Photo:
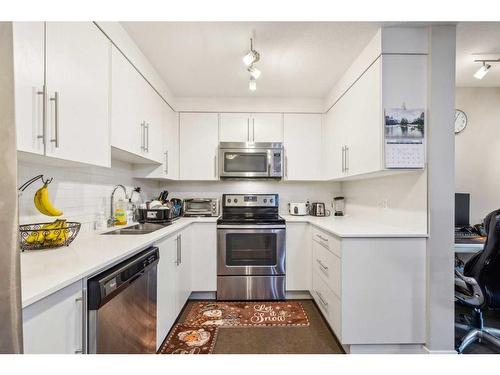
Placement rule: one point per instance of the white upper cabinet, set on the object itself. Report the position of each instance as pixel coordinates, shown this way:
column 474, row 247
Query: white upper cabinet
column 353, row 129
column 199, row 141
column 171, row 139
column 247, row 127
column 136, row 114
column 77, row 89
column 235, row 127
column 302, row 142
column 364, row 152
column 267, row 127
column 29, row 80
column 64, row 68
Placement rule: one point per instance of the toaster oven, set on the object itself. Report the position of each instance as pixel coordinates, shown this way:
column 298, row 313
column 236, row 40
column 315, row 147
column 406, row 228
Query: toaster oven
column 201, row 207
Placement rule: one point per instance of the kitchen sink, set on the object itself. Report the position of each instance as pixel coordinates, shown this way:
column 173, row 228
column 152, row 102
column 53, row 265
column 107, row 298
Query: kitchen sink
column 138, row 229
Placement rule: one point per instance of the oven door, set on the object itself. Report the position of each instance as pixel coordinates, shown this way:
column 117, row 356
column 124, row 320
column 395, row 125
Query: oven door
column 245, row 162
column 251, row 250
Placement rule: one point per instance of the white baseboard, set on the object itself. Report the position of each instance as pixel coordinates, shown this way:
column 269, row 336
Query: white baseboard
column 385, row 349
column 428, row 351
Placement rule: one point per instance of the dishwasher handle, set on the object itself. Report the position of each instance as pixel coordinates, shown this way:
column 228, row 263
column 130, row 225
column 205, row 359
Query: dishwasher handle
column 104, row 286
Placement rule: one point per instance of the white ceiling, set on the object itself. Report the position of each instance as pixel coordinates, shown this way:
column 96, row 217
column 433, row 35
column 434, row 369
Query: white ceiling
column 476, row 39
column 204, row 59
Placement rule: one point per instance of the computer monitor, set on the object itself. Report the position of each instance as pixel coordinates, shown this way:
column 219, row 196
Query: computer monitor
column 462, row 209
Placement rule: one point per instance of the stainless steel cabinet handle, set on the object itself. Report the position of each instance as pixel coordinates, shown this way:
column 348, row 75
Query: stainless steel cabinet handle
column 143, row 137
column 43, row 137
column 343, row 159
column 178, row 240
column 77, row 301
column 55, row 99
column 325, row 268
column 322, row 299
column 180, row 248
column 253, row 130
column 322, row 238
column 286, row 166
column 146, row 139
column 346, row 159
column 215, row 166
column 248, row 129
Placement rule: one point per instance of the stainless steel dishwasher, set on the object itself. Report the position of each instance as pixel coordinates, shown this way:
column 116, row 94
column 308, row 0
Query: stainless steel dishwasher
column 122, row 306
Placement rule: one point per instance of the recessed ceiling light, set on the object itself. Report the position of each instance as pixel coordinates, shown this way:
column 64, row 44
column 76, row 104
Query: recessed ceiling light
column 482, row 71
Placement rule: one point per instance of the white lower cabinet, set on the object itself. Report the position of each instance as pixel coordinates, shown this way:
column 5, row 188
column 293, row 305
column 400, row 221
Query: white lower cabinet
column 174, row 281
column 370, row 290
column 204, row 257
column 55, row 324
column 298, row 256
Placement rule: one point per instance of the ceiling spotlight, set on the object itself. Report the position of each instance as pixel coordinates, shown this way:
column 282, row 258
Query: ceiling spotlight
column 252, row 56
column 254, row 72
column 252, row 84
column 482, row 71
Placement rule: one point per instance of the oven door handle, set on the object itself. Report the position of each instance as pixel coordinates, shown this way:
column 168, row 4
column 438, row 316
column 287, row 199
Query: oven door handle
column 243, row 226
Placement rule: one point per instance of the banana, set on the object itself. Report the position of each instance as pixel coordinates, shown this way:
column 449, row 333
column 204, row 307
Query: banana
column 43, row 203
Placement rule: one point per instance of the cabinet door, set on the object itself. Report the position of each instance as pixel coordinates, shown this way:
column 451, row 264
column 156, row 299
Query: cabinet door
column 365, row 126
column 77, row 68
column 204, row 258
column 155, row 131
column 28, row 44
column 54, row 325
column 166, row 309
column 183, row 268
column 302, row 141
column 199, row 141
column 267, row 127
column 234, row 127
column 172, row 143
column 127, row 114
column 333, row 142
column 298, row 257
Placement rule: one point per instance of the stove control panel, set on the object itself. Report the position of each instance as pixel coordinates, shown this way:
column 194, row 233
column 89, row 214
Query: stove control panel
column 250, row 200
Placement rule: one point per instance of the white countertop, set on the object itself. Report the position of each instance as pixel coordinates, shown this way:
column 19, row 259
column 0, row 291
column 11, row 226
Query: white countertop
column 45, row 271
column 350, row 226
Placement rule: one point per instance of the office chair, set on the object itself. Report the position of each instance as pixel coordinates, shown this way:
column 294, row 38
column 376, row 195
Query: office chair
column 479, row 286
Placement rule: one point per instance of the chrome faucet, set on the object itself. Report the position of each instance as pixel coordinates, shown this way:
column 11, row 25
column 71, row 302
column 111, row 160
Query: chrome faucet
column 112, row 220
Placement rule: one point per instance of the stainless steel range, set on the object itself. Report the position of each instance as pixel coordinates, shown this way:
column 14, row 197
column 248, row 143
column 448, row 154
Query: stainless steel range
column 251, row 245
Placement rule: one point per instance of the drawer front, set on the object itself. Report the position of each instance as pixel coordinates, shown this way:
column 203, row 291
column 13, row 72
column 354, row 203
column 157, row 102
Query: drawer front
column 327, row 240
column 328, row 266
column 328, row 304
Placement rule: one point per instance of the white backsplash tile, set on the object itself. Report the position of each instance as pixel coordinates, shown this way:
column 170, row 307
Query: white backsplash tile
column 80, row 192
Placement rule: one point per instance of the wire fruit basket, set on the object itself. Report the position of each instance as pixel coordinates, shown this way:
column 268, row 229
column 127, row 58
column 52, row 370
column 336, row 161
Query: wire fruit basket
column 47, row 235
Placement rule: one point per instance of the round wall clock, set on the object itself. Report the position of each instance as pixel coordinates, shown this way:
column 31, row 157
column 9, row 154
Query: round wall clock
column 460, row 121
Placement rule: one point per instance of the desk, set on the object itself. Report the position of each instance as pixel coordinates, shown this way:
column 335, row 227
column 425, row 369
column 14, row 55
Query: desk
column 469, row 246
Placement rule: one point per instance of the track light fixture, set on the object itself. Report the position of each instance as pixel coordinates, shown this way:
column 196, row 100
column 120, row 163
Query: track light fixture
column 482, row 71
column 485, row 68
column 249, row 60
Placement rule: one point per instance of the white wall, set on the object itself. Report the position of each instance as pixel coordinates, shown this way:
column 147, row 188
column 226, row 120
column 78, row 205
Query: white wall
column 399, row 199
column 81, row 193
column 288, row 191
column 477, row 156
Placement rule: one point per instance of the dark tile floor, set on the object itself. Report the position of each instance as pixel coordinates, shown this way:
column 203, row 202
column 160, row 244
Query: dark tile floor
column 491, row 319
column 315, row 339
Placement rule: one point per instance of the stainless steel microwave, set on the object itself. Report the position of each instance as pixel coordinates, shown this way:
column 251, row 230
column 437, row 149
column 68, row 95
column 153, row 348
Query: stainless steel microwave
column 250, row 160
